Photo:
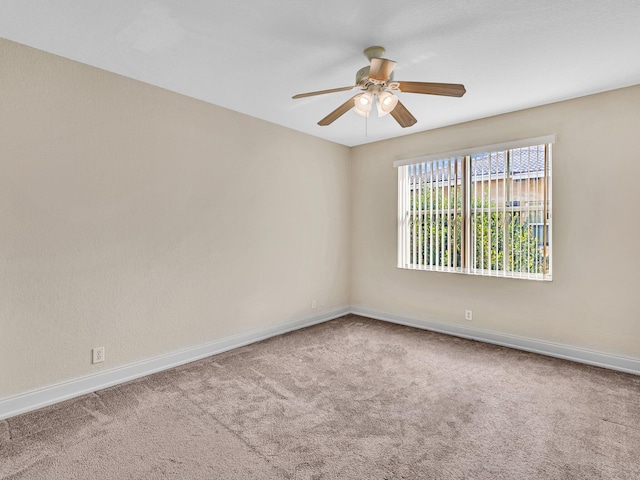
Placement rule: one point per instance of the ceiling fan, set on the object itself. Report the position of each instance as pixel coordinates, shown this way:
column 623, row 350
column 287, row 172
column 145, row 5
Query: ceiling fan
column 379, row 87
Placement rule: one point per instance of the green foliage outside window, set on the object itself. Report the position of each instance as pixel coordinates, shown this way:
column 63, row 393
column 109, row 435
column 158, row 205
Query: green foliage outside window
column 436, row 238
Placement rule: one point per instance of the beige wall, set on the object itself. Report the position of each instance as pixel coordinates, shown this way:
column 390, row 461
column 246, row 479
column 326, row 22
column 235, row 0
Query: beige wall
column 593, row 300
column 146, row 222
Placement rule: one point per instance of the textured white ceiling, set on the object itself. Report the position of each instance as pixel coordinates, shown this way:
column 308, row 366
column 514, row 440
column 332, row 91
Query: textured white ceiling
column 253, row 55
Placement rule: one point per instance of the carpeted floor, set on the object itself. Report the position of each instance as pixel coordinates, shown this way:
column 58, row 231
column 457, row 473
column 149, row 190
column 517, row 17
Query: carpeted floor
column 353, row 398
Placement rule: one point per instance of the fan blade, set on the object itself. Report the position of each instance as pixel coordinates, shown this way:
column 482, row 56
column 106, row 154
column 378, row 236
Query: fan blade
column 448, row 89
column 338, row 112
column 322, row 92
column 403, row 116
column 381, row 69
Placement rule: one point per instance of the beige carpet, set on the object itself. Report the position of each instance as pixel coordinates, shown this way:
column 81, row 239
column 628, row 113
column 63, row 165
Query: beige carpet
column 353, row 398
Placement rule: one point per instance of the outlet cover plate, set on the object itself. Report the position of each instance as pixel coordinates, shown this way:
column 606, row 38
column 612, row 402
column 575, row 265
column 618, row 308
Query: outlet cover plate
column 98, row 354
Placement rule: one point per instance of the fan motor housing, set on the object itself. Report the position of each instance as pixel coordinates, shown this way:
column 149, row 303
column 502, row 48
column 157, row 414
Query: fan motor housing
column 362, row 74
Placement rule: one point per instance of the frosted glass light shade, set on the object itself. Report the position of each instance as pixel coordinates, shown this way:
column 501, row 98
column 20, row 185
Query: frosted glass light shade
column 387, row 101
column 363, row 104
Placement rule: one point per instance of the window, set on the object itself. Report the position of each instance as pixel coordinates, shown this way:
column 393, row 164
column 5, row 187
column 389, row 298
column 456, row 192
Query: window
column 481, row 211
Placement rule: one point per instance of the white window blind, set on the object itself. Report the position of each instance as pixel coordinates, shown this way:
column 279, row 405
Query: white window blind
column 484, row 211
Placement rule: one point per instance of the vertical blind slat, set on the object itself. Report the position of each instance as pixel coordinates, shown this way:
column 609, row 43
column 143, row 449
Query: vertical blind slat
column 419, row 221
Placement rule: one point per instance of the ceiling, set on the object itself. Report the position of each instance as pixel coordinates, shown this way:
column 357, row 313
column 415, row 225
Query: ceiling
column 252, row 56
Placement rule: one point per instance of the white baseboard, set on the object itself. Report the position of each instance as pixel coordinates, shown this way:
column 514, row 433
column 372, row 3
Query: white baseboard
column 43, row 397
column 590, row 357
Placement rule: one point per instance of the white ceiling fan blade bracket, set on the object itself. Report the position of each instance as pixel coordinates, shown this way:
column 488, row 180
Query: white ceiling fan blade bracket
column 377, row 82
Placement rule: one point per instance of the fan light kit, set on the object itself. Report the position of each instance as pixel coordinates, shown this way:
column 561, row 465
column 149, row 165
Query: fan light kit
column 377, row 82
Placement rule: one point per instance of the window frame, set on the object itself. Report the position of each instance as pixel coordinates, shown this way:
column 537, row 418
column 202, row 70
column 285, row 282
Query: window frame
column 468, row 213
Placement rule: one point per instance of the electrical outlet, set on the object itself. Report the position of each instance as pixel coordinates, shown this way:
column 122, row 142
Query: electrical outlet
column 322, row 302
column 98, row 354
column 313, row 304
column 468, row 314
